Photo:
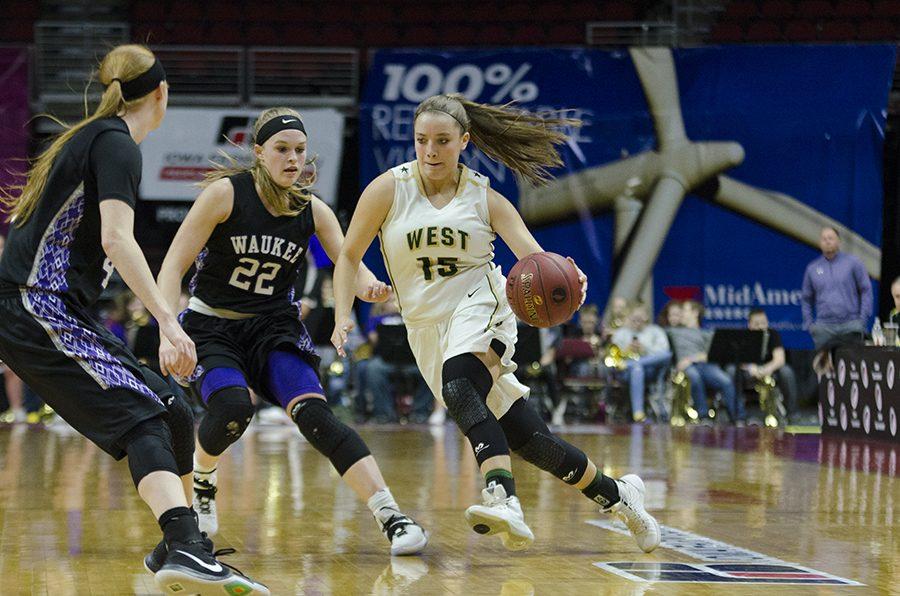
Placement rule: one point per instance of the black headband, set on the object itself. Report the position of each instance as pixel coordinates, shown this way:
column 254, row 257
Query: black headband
column 276, row 125
column 144, row 83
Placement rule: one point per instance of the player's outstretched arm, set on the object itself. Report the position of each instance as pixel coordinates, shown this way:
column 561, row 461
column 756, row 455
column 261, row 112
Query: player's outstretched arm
column 328, row 230
column 211, row 208
column 370, row 213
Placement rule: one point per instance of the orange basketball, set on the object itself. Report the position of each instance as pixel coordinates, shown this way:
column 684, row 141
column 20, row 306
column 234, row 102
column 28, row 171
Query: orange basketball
column 543, row 289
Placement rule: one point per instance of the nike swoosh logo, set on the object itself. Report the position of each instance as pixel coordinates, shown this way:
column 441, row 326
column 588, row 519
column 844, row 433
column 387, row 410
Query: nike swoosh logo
column 287, row 120
column 473, row 292
column 215, row 568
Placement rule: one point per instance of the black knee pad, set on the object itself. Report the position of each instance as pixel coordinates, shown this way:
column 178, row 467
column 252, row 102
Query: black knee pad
column 230, row 411
column 149, row 449
column 180, row 419
column 181, row 424
column 529, row 436
column 466, row 384
column 331, row 437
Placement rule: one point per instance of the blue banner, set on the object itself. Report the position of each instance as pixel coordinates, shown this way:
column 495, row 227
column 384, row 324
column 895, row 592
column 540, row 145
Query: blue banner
column 771, row 143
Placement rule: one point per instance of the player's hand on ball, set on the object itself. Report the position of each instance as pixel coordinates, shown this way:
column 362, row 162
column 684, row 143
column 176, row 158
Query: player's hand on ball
column 378, row 291
column 342, row 329
column 582, row 278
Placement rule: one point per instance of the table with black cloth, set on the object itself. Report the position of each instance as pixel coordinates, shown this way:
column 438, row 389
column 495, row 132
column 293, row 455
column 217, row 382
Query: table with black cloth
column 861, row 397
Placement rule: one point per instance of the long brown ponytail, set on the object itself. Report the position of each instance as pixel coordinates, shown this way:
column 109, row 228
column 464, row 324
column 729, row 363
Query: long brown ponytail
column 523, row 141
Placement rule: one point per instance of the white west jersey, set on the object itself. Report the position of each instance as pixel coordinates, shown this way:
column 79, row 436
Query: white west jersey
column 434, row 257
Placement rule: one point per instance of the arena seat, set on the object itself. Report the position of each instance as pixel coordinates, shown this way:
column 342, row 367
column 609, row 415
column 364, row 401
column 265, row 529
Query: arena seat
column 777, row 9
column 838, row 31
column 814, row 9
column 877, row 30
column 763, row 31
column 801, row 30
column 727, row 32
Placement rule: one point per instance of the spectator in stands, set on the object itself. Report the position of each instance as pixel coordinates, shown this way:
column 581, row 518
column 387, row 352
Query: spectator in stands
column 615, row 316
column 894, row 316
column 670, row 315
column 775, row 365
column 837, row 286
column 691, row 344
column 377, row 372
column 590, row 330
column 650, row 346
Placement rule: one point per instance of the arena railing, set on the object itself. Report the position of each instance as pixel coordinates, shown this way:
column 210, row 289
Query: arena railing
column 309, row 76
column 631, row 33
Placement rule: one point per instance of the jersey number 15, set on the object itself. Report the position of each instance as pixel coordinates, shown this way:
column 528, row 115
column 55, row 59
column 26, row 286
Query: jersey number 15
column 446, row 267
column 243, row 276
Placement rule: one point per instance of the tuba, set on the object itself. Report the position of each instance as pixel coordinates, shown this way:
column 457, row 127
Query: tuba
column 682, row 410
column 616, row 357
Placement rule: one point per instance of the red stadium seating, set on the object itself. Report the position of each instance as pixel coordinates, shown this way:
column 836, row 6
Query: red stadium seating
column 801, row 30
column 852, row 9
column 727, row 32
column 494, row 35
column 185, row 10
column 777, row 9
column 837, row 31
column 144, row 11
column 877, row 30
column 618, row 11
column 566, row 34
column 814, row 9
column 886, row 8
column 741, row 10
column 763, row 31
column 530, row 34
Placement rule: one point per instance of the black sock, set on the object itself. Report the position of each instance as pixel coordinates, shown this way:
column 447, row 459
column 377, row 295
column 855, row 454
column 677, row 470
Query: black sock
column 502, row 477
column 602, row 490
column 178, row 525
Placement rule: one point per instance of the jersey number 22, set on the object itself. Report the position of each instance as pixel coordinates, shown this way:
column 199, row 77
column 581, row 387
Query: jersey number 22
column 245, row 272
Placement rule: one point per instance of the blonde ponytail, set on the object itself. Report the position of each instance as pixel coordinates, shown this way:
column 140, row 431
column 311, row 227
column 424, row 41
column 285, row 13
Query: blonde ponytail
column 122, row 63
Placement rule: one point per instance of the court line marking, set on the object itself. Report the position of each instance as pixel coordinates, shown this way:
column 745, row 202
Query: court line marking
column 703, row 548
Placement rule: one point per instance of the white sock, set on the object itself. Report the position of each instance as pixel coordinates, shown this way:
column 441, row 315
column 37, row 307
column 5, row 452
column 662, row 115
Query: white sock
column 201, row 473
column 382, row 505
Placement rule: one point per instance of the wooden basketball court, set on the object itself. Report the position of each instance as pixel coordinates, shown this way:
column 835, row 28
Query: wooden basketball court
column 744, row 511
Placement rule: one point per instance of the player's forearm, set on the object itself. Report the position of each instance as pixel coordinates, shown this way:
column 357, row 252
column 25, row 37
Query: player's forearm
column 345, row 274
column 169, row 282
column 364, row 279
column 129, row 261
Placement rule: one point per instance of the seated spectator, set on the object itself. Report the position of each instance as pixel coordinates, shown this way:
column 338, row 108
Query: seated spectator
column 775, row 366
column 614, row 317
column 691, row 345
column 375, row 375
column 589, row 330
column 650, row 345
column 670, row 315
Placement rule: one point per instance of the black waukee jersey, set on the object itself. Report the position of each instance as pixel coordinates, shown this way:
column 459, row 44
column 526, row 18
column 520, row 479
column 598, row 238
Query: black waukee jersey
column 58, row 248
column 251, row 260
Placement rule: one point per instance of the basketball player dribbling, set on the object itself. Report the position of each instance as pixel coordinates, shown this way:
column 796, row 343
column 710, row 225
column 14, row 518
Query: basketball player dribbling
column 79, row 197
column 248, row 232
column 436, row 220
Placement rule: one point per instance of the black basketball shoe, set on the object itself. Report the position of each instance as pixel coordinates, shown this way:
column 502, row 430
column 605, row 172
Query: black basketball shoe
column 190, row 569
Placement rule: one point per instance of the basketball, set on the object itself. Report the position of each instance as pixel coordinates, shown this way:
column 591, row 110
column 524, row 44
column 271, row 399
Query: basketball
column 543, row 289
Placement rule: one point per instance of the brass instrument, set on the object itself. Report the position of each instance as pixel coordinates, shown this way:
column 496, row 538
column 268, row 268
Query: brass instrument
column 616, row 357
column 682, row 410
column 768, row 401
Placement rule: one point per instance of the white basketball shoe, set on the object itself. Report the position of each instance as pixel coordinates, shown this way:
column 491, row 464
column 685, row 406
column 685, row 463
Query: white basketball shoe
column 499, row 514
column 630, row 509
